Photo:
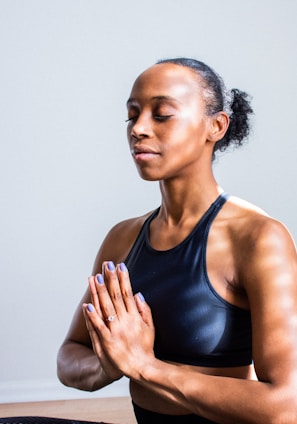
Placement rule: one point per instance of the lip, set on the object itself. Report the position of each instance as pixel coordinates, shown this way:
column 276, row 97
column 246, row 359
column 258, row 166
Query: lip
column 143, row 152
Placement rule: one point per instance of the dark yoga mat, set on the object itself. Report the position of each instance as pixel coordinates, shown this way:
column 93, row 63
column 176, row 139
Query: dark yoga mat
column 44, row 420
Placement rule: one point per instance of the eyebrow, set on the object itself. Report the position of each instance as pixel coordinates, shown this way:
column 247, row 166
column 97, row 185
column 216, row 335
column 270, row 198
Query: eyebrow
column 132, row 100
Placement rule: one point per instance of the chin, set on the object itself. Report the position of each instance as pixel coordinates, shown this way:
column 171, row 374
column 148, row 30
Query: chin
column 148, row 176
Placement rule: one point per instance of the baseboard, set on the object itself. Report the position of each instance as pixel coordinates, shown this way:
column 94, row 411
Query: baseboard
column 42, row 390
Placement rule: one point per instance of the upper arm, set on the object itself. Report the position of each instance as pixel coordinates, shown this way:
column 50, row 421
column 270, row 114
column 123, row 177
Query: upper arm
column 270, row 280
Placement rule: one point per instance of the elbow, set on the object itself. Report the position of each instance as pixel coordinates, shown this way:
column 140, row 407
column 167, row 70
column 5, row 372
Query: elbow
column 62, row 376
column 67, row 370
column 62, row 368
column 78, row 367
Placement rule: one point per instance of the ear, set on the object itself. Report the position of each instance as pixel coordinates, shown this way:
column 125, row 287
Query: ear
column 218, row 126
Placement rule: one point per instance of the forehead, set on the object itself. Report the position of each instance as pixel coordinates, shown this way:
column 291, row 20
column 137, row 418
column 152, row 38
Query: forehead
column 166, row 79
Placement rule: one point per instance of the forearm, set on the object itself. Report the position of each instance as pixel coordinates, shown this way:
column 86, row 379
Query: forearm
column 79, row 367
column 221, row 399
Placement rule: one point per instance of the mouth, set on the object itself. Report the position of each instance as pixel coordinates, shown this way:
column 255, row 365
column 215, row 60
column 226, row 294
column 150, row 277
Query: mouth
column 140, row 153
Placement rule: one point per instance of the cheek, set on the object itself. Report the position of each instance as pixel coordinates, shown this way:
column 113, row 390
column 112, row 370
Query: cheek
column 197, row 130
column 190, row 137
column 187, row 131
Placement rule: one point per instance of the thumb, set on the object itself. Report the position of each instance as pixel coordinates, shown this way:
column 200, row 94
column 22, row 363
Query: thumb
column 144, row 309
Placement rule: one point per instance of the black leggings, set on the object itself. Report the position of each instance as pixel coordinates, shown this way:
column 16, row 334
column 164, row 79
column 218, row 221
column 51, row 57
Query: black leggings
column 143, row 416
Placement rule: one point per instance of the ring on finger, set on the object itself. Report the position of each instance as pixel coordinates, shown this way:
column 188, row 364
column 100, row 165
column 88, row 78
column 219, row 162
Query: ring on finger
column 111, row 318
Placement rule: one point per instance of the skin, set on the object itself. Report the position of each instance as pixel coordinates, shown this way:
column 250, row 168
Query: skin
column 251, row 263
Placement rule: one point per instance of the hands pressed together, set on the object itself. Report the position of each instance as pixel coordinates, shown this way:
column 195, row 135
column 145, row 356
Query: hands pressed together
column 120, row 324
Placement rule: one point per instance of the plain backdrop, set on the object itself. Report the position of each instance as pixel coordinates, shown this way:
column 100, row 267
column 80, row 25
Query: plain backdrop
column 66, row 69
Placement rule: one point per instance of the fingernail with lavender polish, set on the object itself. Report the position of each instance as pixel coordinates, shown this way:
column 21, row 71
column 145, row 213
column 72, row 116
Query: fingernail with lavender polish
column 123, row 267
column 90, row 307
column 100, row 279
column 141, row 297
column 111, row 266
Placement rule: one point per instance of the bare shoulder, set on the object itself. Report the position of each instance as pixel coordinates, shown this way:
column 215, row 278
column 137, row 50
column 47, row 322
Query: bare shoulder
column 119, row 241
column 263, row 246
column 126, row 231
column 254, row 225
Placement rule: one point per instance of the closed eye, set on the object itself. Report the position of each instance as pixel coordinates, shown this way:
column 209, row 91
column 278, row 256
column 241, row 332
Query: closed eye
column 162, row 118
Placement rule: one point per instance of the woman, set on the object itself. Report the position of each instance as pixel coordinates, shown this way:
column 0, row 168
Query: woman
column 207, row 332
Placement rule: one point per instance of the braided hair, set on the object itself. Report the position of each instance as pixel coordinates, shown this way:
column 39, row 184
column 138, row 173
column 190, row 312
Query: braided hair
column 234, row 102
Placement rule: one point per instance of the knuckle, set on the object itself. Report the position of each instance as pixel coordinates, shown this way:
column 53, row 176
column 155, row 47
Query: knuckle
column 117, row 295
column 127, row 293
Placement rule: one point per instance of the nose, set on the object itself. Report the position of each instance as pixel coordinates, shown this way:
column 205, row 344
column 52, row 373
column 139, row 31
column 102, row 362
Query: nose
column 141, row 127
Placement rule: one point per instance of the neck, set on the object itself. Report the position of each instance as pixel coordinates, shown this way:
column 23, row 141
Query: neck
column 182, row 199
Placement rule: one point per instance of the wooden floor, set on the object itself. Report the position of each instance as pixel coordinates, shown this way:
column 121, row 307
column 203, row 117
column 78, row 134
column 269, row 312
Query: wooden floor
column 117, row 410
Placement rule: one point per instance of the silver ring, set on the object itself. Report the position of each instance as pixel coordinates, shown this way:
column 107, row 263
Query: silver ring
column 110, row 318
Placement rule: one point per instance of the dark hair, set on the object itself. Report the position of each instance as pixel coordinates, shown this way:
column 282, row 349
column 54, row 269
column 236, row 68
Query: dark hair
column 235, row 102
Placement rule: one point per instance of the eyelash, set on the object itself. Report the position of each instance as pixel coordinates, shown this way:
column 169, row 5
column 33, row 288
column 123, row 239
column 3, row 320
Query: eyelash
column 160, row 118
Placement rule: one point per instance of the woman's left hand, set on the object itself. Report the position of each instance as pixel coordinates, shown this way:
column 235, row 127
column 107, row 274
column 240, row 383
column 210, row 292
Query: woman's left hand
column 122, row 322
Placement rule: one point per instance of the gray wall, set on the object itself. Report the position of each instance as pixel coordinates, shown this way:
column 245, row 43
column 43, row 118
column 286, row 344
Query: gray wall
column 66, row 68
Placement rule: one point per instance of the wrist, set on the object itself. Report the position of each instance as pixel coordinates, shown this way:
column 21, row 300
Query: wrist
column 149, row 371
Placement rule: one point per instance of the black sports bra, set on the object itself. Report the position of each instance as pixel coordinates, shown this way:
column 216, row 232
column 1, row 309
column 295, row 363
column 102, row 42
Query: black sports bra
column 194, row 324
